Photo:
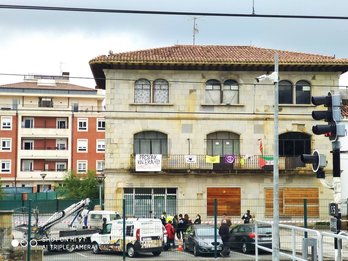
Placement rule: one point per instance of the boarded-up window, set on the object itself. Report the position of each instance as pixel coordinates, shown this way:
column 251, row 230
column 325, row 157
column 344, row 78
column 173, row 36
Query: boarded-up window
column 291, row 202
column 228, row 201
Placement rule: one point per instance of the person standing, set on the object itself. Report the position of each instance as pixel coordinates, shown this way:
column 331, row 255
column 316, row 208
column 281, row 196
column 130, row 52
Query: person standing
column 224, row 232
column 247, row 217
column 198, row 220
column 180, row 227
column 170, row 234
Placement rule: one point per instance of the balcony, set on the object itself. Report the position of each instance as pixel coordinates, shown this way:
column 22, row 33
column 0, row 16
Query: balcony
column 48, row 153
column 35, row 175
column 45, row 132
column 240, row 164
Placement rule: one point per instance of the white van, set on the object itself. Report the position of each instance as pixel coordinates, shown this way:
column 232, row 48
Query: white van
column 142, row 235
column 95, row 218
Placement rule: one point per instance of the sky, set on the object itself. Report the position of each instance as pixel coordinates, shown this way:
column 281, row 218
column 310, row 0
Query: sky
column 50, row 42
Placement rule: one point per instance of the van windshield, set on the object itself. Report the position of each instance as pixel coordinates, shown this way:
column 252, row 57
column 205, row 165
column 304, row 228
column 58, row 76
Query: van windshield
column 96, row 216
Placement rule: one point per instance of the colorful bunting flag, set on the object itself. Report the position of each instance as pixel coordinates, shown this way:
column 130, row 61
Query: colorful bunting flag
column 265, row 160
column 190, row 158
column 260, row 146
column 212, row 159
column 229, row 159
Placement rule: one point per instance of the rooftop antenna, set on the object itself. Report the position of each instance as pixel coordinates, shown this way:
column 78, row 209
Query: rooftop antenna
column 253, row 8
column 195, row 30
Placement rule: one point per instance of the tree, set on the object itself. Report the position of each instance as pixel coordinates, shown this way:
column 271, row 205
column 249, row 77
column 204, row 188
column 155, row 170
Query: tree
column 75, row 187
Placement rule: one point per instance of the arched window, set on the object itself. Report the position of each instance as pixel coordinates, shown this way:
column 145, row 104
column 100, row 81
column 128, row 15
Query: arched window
column 145, row 93
column 294, row 144
column 150, row 142
column 230, row 94
column 303, row 92
column 213, row 92
column 142, row 91
column 217, row 94
column 160, row 91
column 223, row 143
column 285, row 92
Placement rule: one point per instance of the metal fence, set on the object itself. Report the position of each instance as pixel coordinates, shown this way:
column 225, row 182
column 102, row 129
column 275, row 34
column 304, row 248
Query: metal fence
column 15, row 215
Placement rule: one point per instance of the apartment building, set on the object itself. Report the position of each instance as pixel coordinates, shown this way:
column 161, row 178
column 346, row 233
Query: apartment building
column 190, row 122
column 48, row 128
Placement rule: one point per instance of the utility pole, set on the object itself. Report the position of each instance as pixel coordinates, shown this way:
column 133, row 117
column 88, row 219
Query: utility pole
column 275, row 227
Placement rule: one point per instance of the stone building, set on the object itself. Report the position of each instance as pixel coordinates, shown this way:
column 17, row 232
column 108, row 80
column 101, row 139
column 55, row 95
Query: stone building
column 188, row 124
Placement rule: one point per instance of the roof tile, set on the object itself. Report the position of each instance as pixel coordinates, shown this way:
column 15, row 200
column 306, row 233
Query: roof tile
column 216, row 54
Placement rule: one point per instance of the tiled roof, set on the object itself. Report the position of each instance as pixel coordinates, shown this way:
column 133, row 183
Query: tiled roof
column 36, row 86
column 214, row 57
column 216, row 54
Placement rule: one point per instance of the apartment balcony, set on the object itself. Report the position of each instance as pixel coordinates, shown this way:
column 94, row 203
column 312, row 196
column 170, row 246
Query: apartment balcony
column 44, row 132
column 236, row 164
column 48, row 153
column 35, row 175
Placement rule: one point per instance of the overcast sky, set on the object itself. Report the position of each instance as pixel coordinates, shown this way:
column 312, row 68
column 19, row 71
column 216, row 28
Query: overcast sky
column 49, row 42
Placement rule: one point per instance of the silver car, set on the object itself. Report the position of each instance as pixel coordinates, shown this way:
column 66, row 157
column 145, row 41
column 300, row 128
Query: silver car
column 200, row 239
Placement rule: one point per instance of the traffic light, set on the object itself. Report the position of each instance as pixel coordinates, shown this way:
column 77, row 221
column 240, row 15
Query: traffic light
column 318, row 162
column 335, row 128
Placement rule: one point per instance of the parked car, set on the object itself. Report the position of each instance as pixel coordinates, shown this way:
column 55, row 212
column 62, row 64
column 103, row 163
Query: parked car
column 243, row 237
column 200, row 239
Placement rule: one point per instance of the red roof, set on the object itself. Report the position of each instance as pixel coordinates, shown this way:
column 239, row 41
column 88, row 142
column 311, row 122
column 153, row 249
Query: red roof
column 216, row 54
column 214, row 57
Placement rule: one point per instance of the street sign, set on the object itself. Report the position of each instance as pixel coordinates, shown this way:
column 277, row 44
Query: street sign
column 333, row 209
column 333, row 224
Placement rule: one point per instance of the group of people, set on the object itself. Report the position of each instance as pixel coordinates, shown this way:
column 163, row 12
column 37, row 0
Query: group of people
column 176, row 226
column 224, row 232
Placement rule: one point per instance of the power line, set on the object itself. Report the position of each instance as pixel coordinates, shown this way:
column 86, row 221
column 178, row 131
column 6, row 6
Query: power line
column 169, row 81
column 151, row 12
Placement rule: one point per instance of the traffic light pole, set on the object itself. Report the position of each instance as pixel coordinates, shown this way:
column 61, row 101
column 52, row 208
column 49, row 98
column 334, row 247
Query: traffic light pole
column 336, row 164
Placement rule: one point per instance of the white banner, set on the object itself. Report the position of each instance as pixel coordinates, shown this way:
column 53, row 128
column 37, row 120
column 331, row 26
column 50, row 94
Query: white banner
column 148, row 162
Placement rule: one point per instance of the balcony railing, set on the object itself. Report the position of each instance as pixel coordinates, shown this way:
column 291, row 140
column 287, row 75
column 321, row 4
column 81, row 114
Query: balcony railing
column 52, row 106
column 178, row 163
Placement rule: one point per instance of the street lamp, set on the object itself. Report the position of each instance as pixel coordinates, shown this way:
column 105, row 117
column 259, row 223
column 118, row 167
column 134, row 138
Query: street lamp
column 100, row 179
column 43, row 176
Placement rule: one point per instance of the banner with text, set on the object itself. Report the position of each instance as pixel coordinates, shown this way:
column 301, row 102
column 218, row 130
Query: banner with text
column 148, row 162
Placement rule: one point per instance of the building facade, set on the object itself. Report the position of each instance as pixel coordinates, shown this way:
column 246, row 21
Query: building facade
column 49, row 127
column 191, row 124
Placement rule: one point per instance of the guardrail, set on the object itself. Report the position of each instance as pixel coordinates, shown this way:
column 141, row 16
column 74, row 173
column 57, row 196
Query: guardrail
column 314, row 239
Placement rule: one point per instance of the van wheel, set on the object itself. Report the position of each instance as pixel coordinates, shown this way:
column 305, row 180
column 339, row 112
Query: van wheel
column 95, row 248
column 156, row 253
column 130, row 251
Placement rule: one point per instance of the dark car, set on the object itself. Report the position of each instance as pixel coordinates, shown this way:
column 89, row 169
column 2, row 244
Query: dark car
column 200, row 239
column 242, row 237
